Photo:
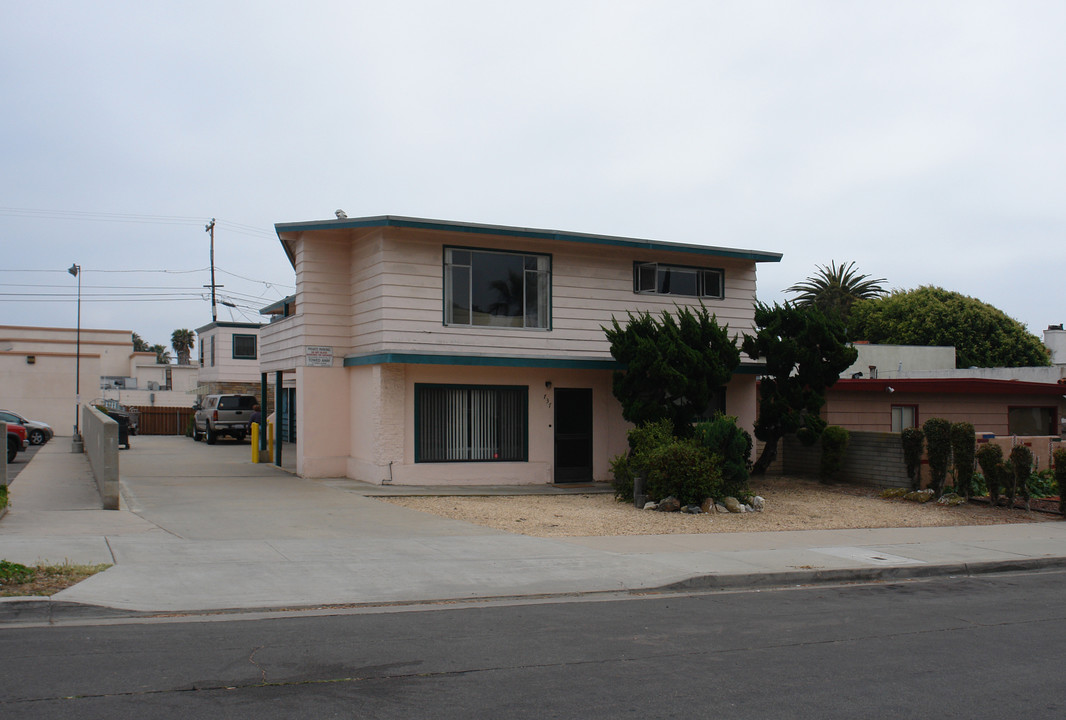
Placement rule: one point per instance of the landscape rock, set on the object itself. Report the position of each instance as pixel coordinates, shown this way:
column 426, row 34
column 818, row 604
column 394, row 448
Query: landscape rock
column 692, row 510
column 719, row 507
column 651, row 506
column 758, row 503
column 732, row 504
column 921, row 496
column 708, row 505
column 894, row 492
column 670, row 504
column 951, row 500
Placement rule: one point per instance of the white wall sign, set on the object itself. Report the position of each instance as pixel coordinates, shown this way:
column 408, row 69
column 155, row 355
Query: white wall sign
column 319, row 356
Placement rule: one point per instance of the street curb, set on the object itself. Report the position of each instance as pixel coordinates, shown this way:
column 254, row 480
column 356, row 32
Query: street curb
column 45, row 611
column 846, row 575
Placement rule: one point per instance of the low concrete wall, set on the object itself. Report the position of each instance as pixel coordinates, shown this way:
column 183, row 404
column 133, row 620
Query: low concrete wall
column 100, row 434
column 872, row 458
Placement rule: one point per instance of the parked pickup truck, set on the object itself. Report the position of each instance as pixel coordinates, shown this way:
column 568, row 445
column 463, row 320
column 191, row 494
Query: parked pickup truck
column 223, row 415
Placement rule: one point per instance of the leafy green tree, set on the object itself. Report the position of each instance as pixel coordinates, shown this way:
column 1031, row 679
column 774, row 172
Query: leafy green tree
column 183, row 342
column 833, row 289
column 139, row 345
column 983, row 336
column 805, row 352
column 673, row 366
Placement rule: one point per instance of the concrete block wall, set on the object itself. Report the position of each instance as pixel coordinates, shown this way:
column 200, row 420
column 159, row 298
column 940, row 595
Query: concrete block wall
column 873, row 458
column 100, row 434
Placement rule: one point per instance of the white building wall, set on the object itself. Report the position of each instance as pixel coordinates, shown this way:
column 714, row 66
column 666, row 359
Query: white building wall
column 1055, row 340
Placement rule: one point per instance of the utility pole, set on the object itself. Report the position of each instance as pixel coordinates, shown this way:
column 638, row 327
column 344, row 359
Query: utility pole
column 210, row 228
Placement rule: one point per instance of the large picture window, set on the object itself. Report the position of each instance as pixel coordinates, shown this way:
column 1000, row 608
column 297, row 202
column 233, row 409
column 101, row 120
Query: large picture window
column 464, row 423
column 496, row 289
column 659, row 279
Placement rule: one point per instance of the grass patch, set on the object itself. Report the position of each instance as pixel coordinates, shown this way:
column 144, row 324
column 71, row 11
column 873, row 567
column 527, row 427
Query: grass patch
column 21, row 580
column 3, row 496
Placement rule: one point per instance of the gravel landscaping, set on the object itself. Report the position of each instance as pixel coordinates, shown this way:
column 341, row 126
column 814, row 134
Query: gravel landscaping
column 791, row 504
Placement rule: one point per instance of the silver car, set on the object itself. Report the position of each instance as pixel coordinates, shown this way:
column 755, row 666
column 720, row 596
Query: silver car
column 37, row 432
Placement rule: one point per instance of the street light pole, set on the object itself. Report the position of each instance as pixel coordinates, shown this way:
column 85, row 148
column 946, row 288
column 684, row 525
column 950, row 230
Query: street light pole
column 77, row 445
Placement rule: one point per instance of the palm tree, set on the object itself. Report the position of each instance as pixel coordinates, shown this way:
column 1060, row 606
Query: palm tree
column 139, row 345
column 834, row 289
column 162, row 355
column 183, row 342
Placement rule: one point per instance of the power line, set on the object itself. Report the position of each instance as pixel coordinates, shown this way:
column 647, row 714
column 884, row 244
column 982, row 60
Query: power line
column 96, row 216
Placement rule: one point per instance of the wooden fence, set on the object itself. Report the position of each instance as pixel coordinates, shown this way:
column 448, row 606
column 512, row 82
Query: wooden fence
column 163, row 420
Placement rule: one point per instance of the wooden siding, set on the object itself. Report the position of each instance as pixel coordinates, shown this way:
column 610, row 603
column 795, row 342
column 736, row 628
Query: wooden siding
column 400, row 306
column 873, row 411
column 381, row 290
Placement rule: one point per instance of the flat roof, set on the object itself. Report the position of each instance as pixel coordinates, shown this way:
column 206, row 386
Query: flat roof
column 519, row 232
column 951, row 386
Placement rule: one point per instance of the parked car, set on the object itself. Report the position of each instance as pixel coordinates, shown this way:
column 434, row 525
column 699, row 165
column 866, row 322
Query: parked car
column 223, row 415
column 16, row 439
column 39, row 433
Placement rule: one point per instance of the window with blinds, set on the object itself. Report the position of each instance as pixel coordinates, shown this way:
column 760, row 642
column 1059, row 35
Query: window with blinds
column 471, row 423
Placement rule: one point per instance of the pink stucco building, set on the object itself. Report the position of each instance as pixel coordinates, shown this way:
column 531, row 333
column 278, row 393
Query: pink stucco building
column 435, row 352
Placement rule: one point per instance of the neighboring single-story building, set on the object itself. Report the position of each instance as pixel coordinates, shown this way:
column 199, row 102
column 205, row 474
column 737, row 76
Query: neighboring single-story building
column 428, row 351
column 37, row 373
column 1002, row 407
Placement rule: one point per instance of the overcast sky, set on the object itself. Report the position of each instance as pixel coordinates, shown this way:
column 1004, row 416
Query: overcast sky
column 924, row 140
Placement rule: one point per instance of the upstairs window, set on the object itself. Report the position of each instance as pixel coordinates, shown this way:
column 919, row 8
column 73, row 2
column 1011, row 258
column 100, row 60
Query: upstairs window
column 484, row 288
column 660, row 279
column 244, row 347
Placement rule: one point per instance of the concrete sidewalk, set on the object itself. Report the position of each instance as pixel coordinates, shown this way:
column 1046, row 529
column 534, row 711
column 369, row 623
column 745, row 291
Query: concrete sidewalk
column 202, row 529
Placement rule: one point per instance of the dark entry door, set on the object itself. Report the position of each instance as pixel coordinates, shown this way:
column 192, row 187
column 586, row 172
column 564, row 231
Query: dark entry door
column 573, row 435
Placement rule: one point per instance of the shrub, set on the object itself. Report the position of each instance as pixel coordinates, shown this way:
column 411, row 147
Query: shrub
column 963, row 448
column 990, row 458
column 649, row 436
column 1041, row 484
column 834, row 447
column 1021, row 465
column 623, row 478
column 722, row 437
column 3, row 496
column 642, row 440
column 938, row 448
column 913, row 440
column 682, row 469
column 1059, row 457
column 14, row 574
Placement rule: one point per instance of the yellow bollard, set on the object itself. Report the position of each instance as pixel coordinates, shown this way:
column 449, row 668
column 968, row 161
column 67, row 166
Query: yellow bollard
column 255, row 442
column 270, row 442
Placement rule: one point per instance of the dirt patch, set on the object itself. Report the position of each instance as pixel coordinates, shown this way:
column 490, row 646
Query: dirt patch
column 791, row 504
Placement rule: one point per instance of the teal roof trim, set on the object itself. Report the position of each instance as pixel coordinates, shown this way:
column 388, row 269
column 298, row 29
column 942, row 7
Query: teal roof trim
column 520, row 232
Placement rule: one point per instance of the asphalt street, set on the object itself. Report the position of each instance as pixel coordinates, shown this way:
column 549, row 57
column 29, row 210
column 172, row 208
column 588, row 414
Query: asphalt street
column 977, row 647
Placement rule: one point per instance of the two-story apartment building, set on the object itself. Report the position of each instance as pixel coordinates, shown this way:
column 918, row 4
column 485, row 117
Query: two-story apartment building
column 434, row 352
